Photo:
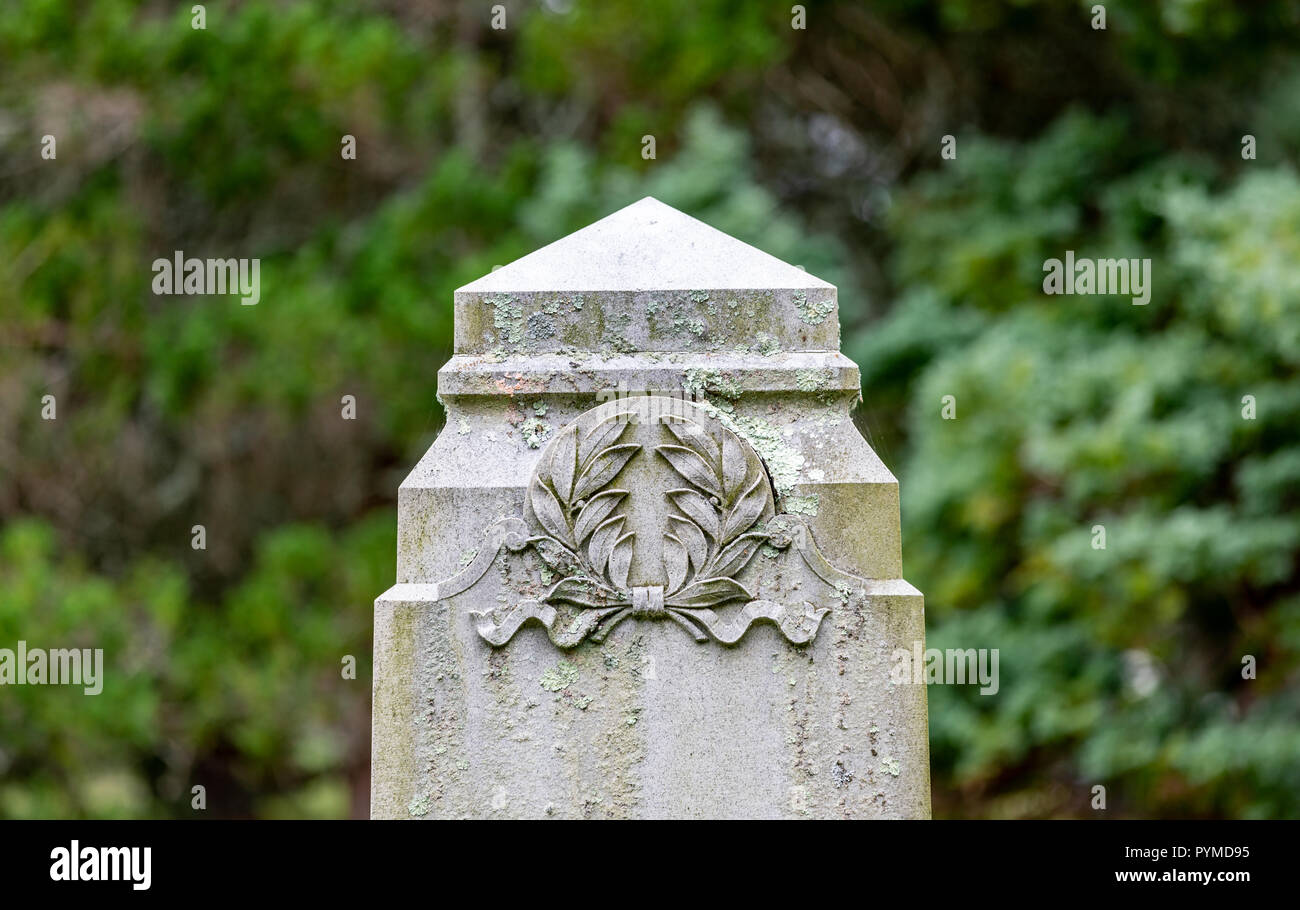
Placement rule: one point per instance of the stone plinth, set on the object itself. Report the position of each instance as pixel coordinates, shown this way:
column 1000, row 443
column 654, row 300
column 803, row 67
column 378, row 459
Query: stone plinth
column 649, row 568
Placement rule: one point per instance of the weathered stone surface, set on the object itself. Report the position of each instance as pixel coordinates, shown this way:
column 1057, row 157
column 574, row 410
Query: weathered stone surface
column 646, row 278
column 648, row 571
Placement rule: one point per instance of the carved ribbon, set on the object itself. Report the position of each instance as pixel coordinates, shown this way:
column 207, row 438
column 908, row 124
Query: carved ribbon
column 498, row 633
column 508, row 533
column 799, row 626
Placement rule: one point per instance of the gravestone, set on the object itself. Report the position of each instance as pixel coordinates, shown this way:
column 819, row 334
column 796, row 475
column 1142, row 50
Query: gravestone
column 649, row 568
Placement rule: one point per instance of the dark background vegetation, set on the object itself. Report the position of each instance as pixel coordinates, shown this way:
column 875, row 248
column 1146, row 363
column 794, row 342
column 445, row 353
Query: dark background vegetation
column 1120, row 667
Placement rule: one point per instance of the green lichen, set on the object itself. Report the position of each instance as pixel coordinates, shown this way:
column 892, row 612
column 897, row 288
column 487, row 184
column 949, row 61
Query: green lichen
column 560, row 676
column 462, row 426
column 891, row 766
column 614, row 337
column 535, row 432
column 801, row 505
column 700, row 380
column 695, row 326
column 556, row 305
column 618, row 343
column 539, row 327
column 699, row 296
column 419, row 807
column 814, row 313
column 814, row 380
column 508, row 319
column 782, row 461
column 841, row 775
column 767, row 344
column 468, row 557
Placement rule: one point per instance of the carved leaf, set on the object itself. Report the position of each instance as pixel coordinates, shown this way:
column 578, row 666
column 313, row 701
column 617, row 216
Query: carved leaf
column 737, row 554
column 689, row 533
column 734, row 464
column 583, row 592
column 564, row 463
column 747, row 509
column 693, row 467
column 620, row 561
column 675, row 561
column 708, row 593
column 603, row 468
column 698, row 509
column 595, row 511
column 693, row 436
column 548, row 511
column 603, row 434
column 602, row 542
column 555, row 555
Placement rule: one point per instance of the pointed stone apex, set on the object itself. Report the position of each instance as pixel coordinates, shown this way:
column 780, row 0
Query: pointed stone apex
column 647, row 278
column 646, row 246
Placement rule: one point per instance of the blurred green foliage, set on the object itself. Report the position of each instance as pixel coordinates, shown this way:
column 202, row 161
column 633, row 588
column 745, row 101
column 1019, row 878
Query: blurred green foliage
column 475, row 146
column 1124, row 663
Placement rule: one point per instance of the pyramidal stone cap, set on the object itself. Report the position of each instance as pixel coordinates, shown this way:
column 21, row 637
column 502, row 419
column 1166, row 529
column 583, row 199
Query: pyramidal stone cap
column 646, row 278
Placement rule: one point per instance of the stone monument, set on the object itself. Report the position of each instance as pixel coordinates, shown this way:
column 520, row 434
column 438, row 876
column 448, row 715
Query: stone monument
column 649, row 568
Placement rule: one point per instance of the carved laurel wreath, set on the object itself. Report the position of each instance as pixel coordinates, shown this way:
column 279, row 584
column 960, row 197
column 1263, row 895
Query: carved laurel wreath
column 709, row 542
column 716, row 523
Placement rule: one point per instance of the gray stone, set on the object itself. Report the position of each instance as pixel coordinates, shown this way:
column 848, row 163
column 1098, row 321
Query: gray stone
column 649, row 568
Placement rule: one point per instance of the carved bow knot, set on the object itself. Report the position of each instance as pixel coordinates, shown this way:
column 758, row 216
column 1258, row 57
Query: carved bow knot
column 648, row 603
